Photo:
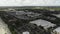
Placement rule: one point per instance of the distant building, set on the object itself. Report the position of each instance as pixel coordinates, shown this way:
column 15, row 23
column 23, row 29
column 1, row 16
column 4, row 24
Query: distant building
column 43, row 23
column 56, row 31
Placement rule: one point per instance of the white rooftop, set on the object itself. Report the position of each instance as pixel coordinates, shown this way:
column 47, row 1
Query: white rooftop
column 58, row 15
column 26, row 32
column 43, row 23
column 57, row 29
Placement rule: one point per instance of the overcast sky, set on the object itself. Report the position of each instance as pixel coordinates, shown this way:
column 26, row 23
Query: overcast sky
column 29, row 2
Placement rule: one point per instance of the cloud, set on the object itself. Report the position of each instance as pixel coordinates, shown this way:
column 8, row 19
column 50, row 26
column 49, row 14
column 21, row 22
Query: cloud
column 29, row 2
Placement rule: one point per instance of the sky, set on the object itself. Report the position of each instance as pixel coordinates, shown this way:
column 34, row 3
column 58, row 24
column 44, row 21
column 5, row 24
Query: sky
column 29, row 2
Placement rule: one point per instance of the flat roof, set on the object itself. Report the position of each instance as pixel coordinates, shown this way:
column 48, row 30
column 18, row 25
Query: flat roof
column 43, row 23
